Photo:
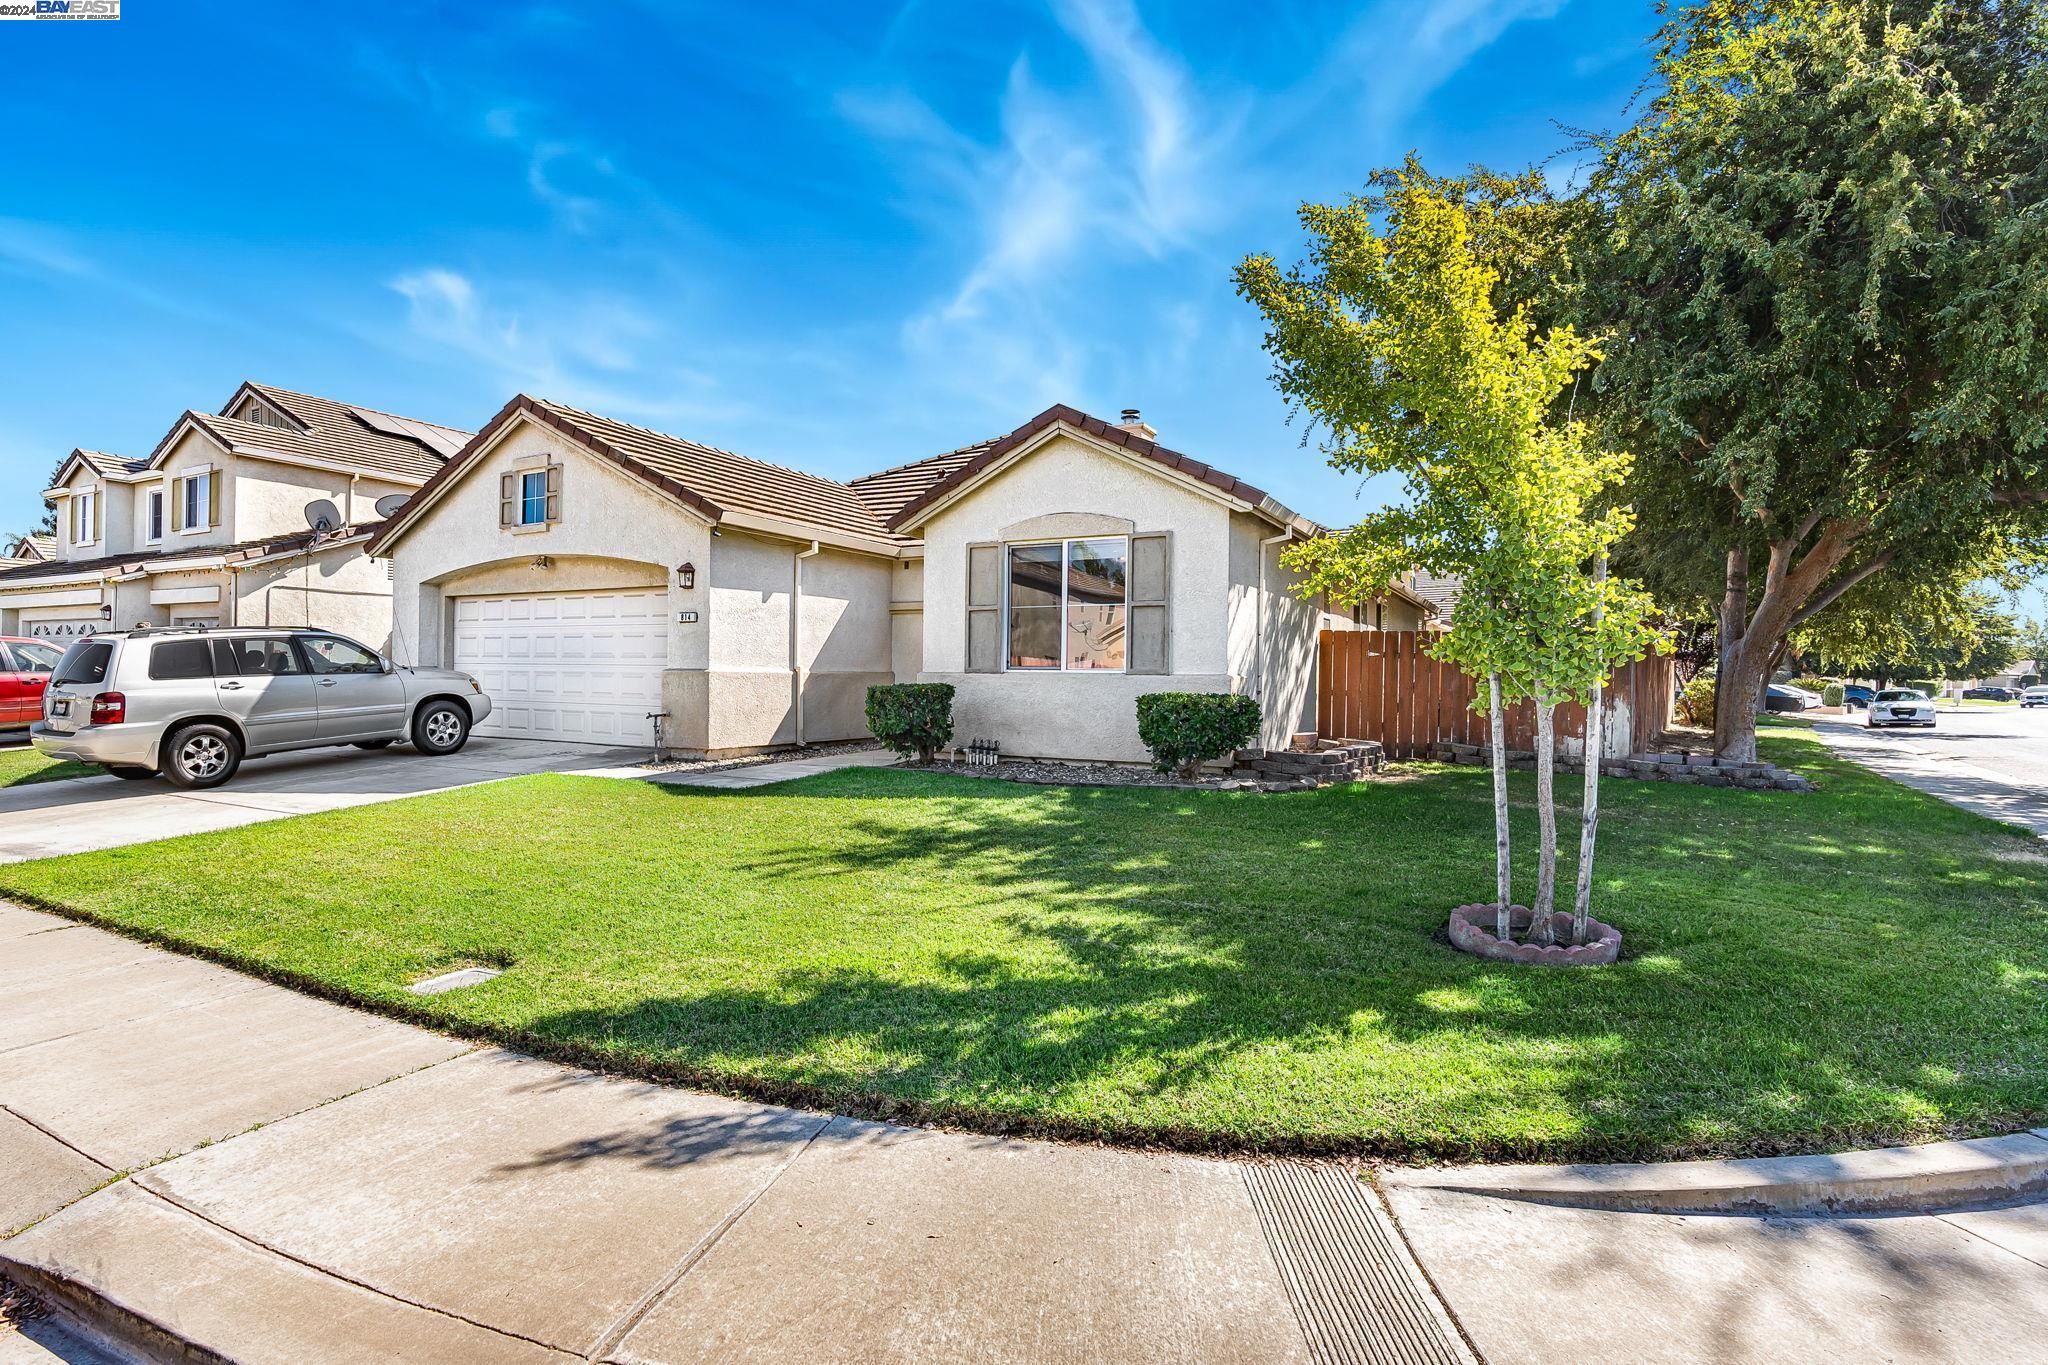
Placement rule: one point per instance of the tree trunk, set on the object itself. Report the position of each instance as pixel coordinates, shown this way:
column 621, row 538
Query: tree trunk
column 1795, row 587
column 1540, row 930
column 1502, row 882
column 1589, row 820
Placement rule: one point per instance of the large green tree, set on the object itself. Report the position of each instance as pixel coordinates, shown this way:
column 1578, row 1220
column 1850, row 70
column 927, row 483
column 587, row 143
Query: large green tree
column 1919, row 637
column 1821, row 260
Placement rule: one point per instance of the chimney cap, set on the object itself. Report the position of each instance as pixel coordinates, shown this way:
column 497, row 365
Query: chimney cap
column 1130, row 416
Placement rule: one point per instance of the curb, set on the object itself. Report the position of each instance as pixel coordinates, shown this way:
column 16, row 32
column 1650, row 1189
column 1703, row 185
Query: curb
column 1926, row 1178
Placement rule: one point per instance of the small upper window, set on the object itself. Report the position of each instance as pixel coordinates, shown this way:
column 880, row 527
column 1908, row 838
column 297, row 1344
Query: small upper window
column 530, row 497
column 156, row 514
column 197, row 494
column 85, row 517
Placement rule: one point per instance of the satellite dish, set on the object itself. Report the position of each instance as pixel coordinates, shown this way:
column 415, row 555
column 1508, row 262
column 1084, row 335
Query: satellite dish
column 388, row 505
column 323, row 516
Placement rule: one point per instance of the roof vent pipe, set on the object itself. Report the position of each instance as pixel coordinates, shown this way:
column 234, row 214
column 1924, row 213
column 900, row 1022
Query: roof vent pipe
column 1137, row 425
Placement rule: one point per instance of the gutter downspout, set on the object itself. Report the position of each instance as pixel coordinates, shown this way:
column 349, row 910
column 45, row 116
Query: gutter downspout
column 1259, row 623
column 796, row 620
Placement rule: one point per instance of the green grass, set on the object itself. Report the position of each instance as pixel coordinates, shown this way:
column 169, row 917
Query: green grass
column 1857, row 965
column 24, row 765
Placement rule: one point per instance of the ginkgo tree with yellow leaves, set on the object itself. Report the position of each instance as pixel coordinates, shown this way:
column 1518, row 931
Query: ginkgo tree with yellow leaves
column 1391, row 336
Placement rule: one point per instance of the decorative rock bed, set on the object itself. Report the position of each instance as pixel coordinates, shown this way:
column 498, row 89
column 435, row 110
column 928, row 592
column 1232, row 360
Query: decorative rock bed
column 1472, row 931
column 1703, row 770
column 1264, row 770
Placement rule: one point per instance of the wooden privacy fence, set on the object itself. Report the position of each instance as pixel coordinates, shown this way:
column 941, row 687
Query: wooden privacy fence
column 1380, row 684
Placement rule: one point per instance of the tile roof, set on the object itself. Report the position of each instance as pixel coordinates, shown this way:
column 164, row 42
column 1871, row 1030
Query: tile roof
column 713, row 481
column 103, row 463
column 331, row 432
column 875, row 506
column 890, row 491
column 1187, row 466
column 39, row 545
column 242, row 550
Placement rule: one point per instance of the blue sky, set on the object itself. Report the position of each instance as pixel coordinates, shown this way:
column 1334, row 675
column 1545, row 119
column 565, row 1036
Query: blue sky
column 836, row 236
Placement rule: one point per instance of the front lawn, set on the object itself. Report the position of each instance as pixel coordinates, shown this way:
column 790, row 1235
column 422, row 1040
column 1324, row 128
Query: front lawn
column 19, row 767
column 1858, row 965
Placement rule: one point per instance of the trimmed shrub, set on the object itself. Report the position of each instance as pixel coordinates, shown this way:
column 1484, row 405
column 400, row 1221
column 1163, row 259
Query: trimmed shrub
column 1696, row 703
column 1184, row 730
column 1832, row 695
column 912, row 718
column 1812, row 684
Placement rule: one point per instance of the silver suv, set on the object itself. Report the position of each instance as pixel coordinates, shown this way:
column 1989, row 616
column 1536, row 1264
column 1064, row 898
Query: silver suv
column 192, row 703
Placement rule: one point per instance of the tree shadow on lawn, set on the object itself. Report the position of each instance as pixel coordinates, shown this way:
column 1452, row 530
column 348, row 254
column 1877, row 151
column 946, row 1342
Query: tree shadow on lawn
column 1235, row 971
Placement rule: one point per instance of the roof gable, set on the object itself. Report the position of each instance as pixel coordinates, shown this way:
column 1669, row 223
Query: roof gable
column 993, row 455
column 718, row 485
column 323, row 432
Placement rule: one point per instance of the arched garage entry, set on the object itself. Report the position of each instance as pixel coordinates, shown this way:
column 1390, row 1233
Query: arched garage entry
column 573, row 651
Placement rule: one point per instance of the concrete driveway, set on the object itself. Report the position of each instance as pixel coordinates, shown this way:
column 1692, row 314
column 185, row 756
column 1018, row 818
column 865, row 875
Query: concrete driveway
column 41, row 819
column 1993, row 762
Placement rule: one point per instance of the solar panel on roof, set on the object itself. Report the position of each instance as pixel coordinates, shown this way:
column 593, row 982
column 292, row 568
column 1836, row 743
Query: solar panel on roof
column 440, row 440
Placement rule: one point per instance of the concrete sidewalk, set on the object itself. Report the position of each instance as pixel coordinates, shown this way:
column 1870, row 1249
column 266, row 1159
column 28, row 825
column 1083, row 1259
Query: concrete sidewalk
column 1994, row 763
column 308, row 1183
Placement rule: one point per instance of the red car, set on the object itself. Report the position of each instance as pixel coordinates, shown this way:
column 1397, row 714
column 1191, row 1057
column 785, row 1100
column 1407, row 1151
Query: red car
column 25, row 669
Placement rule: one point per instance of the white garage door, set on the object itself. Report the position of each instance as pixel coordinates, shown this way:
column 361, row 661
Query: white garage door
column 64, row 632
column 581, row 666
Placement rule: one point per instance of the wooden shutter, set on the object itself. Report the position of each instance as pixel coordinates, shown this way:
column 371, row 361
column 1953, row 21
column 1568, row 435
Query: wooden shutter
column 94, row 529
column 213, row 497
column 554, row 502
column 1151, row 568
column 984, row 608
column 177, row 500
column 508, row 499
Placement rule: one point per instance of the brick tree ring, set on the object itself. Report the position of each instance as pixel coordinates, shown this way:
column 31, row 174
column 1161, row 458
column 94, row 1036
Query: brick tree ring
column 1472, row 929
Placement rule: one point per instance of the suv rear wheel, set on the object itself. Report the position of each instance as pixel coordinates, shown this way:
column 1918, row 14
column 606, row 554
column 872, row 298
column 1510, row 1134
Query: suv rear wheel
column 441, row 727
column 202, row 755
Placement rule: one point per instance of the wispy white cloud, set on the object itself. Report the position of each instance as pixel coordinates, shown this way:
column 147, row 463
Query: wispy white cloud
column 593, row 350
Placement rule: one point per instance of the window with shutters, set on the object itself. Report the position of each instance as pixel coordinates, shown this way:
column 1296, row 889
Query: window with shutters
column 530, row 499
column 85, row 518
column 194, row 501
column 154, row 516
column 1068, row 603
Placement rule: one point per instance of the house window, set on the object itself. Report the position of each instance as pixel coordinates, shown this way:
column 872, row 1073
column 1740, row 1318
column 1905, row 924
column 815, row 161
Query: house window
column 533, row 497
column 155, row 514
column 196, row 491
column 85, row 509
column 1068, row 604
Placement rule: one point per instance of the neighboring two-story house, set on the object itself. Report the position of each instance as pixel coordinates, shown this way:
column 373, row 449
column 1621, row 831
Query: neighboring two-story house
column 216, row 525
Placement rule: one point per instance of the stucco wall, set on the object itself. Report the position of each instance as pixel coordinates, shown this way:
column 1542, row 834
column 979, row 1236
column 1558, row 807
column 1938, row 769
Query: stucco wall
column 270, row 499
column 117, row 534
column 842, row 643
column 192, row 452
column 342, row 590
column 1078, row 715
column 1283, row 676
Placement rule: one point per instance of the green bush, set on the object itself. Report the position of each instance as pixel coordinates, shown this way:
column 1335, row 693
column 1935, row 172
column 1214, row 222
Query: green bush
column 912, row 717
column 1184, row 730
column 1832, row 695
column 1696, row 702
column 2030, row 680
column 1820, row 685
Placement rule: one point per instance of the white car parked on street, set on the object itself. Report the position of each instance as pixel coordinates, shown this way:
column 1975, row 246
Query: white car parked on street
column 2034, row 696
column 1898, row 706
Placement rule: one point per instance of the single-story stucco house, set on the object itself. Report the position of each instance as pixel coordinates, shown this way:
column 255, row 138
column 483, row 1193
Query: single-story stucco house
column 595, row 574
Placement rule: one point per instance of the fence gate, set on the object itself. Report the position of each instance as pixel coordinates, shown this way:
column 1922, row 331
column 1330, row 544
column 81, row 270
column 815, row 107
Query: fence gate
column 1383, row 685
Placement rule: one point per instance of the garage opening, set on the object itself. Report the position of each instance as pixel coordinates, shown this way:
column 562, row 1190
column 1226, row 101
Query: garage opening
column 578, row 666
